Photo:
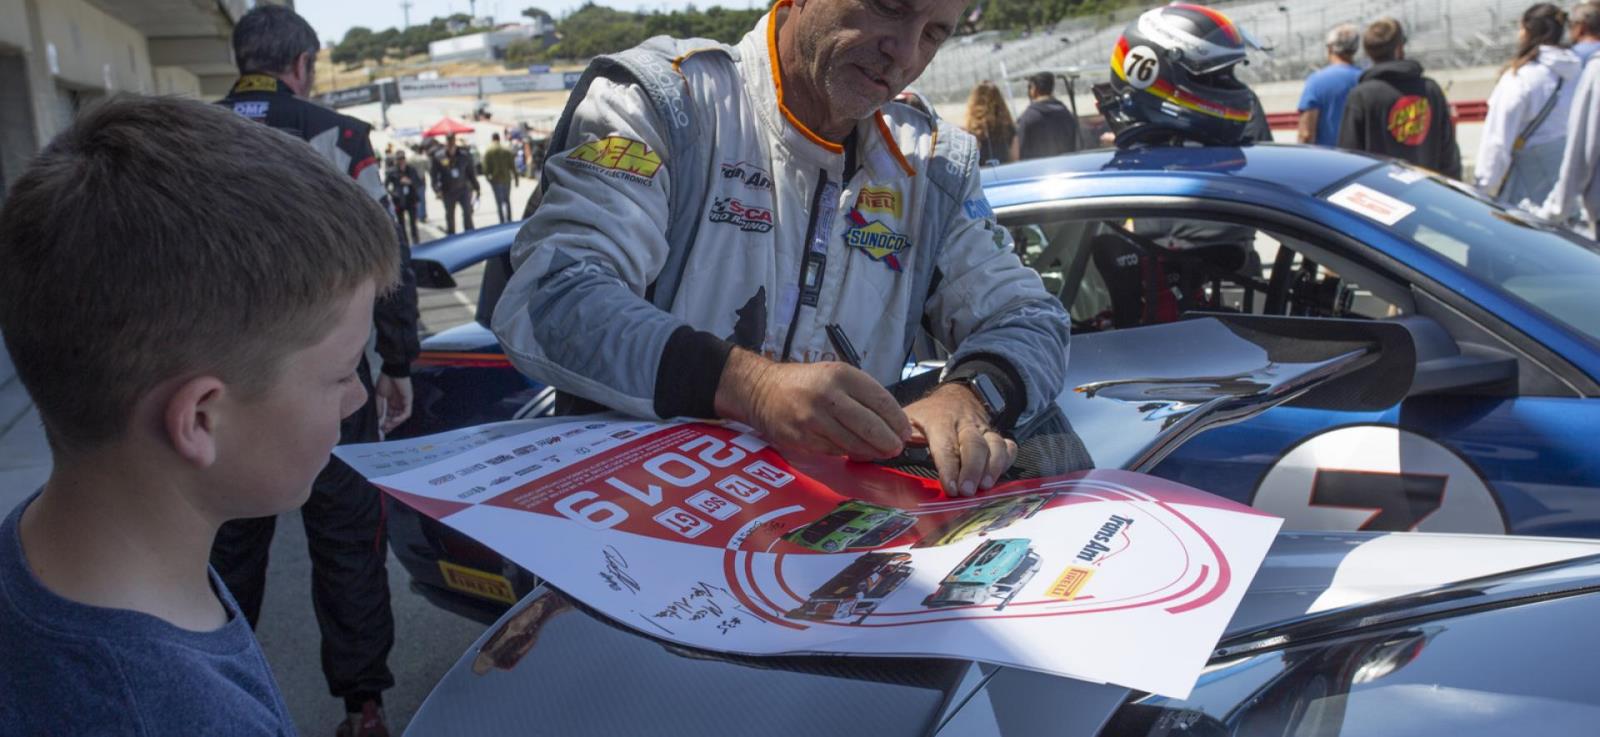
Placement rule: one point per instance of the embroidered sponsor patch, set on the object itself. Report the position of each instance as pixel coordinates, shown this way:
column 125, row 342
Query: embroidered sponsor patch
column 251, row 109
column 256, row 83
column 619, row 157
column 879, row 199
column 879, row 241
column 732, row 211
column 978, row 208
column 750, row 175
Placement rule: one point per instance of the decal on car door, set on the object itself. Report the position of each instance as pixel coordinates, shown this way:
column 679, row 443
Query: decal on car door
column 1377, row 477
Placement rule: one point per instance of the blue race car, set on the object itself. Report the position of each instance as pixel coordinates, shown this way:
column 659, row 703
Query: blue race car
column 1487, row 433
column 1492, row 433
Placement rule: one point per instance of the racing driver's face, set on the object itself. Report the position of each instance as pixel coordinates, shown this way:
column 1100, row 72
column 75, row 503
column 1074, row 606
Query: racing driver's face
column 856, row 55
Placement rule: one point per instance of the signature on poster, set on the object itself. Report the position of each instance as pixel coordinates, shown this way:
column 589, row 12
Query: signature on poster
column 616, row 572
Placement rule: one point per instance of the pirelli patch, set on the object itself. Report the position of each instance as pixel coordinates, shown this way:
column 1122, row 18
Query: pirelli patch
column 618, row 157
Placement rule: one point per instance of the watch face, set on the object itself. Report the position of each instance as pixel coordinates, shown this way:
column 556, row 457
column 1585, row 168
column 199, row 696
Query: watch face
column 989, row 393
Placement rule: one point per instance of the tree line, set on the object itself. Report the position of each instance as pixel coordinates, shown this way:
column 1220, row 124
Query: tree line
column 596, row 29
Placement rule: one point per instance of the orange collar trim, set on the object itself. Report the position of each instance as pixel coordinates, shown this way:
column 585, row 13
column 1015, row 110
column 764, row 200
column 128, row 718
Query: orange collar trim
column 888, row 141
column 777, row 82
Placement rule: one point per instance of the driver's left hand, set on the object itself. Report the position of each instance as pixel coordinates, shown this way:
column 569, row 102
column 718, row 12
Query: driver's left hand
column 968, row 453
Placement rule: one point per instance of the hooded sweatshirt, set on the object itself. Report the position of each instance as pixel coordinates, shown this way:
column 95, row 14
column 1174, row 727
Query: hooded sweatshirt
column 1395, row 111
column 1516, row 101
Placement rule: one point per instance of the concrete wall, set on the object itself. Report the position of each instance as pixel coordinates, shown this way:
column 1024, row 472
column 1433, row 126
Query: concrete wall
column 93, row 51
column 14, row 25
column 177, row 81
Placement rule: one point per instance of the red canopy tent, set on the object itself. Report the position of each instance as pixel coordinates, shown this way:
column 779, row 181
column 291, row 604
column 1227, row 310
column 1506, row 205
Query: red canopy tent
column 447, row 126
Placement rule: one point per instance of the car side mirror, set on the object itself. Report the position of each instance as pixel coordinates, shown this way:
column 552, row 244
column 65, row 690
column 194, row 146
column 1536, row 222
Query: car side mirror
column 432, row 274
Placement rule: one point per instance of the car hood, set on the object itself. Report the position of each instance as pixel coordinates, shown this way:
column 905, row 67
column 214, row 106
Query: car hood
column 567, row 652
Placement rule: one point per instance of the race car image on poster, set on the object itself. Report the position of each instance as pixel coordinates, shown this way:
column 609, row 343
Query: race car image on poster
column 997, row 568
column 986, row 518
column 855, row 592
column 853, row 524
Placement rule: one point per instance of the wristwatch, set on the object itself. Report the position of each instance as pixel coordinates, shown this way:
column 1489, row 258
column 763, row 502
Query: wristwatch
column 988, row 394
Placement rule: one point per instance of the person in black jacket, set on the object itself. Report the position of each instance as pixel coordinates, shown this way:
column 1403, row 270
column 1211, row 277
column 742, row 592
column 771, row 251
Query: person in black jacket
column 276, row 51
column 405, row 188
column 455, row 180
column 1395, row 111
column 1047, row 127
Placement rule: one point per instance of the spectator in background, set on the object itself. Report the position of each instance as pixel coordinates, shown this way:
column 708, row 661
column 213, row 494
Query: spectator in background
column 1395, row 111
column 455, row 180
column 1322, row 101
column 1047, row 127
column 1577, row 186
column 405, row 188
column 1584, row 26
column 1525, row 131
column 424, row 154
column 989, row 121
column 499, row 168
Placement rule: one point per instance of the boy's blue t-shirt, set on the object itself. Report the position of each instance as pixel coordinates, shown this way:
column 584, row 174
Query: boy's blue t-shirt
column 1325, row 91
column 70, row 668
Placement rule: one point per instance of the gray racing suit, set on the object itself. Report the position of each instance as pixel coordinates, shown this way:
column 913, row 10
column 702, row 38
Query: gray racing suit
column 792, row 233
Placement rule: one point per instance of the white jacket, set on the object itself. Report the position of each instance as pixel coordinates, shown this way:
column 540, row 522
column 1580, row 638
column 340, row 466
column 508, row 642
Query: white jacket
column 1577, row 186
column 575, row 314
column 1516, row 101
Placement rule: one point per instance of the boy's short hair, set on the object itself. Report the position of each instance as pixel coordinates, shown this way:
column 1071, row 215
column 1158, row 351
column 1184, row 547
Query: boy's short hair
column 1383, row 39
column 160, row 238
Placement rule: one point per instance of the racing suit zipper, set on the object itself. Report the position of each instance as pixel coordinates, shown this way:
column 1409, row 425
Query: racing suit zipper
column 814, row 257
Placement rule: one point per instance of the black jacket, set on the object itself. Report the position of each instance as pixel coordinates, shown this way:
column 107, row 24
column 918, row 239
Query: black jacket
column 344, row 141
column 454, row 174
column 405, row 194
column 1047, row 128
column 1395, row 111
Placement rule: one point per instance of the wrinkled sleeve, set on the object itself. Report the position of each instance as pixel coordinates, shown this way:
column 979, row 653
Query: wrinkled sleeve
column 1352, row 128
column 1506, row 117
column 1582, row 154
column 994, row 312
column 573, row 315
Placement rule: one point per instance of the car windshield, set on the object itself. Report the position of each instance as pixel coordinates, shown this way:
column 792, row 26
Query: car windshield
column 1552, row 270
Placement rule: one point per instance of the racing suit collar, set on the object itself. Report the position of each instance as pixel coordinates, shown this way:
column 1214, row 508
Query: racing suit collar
column 879, row 151
column 260, row 83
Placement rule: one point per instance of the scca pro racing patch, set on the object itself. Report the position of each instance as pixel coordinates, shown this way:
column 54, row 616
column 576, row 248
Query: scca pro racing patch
column 879, row 241
column 733, row 212
column 619, row 158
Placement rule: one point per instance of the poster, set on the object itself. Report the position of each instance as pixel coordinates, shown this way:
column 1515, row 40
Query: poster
column 702, row 535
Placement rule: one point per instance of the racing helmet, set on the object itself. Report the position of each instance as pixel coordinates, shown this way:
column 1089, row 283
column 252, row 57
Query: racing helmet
column 1172, row 72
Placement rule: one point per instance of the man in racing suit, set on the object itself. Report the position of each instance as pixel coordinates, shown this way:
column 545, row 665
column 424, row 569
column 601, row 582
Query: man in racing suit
column 827, row 216
column 344, row 519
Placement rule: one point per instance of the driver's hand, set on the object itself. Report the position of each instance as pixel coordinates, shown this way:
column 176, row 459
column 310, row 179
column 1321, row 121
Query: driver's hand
column 826, row 408
column 394, row 401
column 968, row 453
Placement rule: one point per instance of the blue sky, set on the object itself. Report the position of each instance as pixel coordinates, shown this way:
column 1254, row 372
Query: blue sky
column 332, row 18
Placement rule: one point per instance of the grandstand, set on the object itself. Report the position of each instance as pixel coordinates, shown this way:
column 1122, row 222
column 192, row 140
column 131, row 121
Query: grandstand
column 1443, row 34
